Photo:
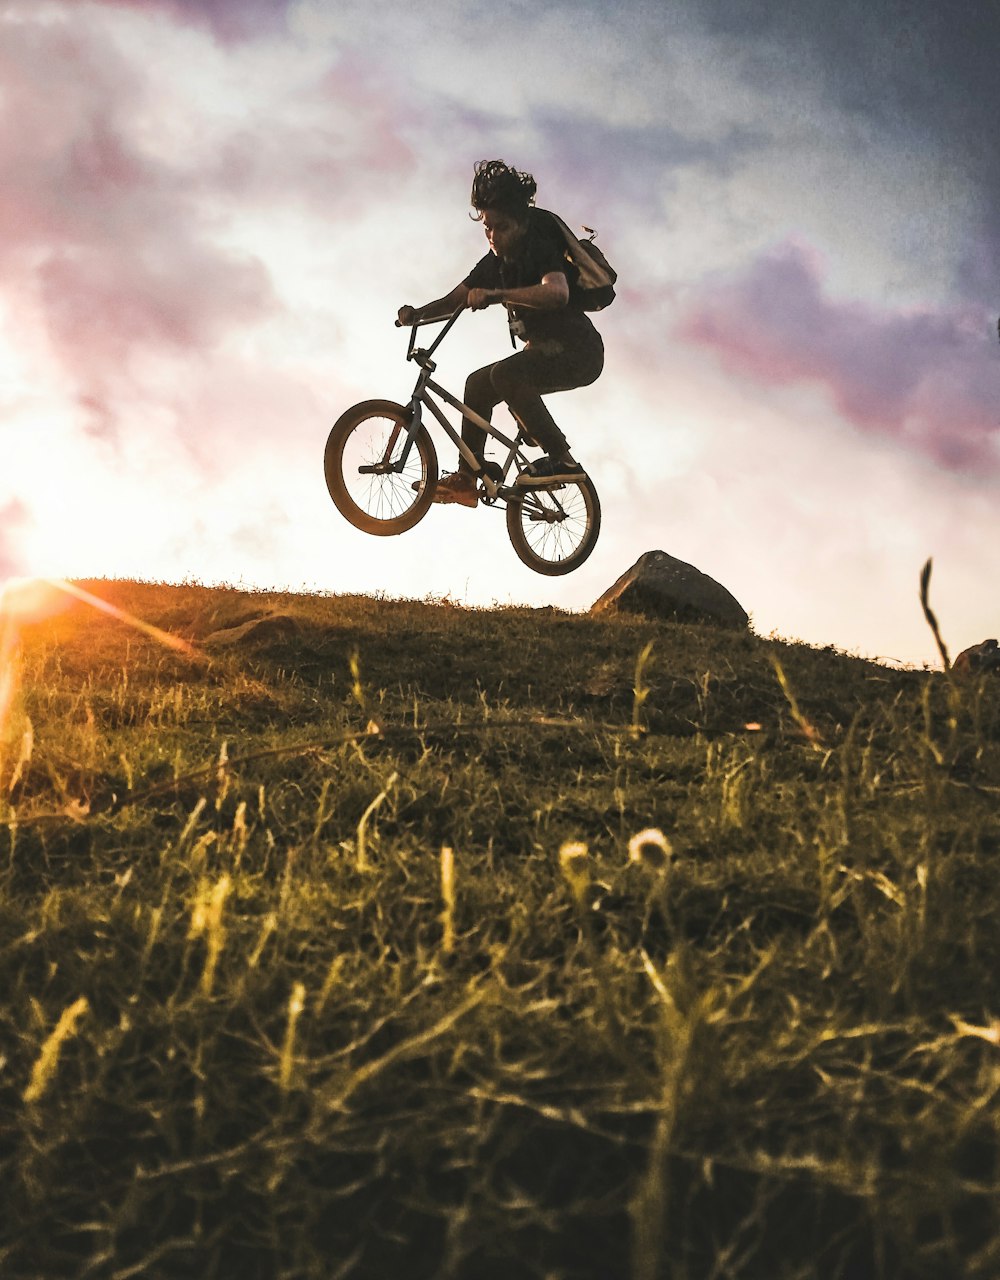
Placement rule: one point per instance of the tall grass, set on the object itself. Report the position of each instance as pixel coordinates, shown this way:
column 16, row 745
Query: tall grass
column 447, row 943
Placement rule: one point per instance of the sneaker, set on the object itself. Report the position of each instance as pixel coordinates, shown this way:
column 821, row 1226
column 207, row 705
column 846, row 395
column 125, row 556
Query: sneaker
column 458, row 487
column 549, row 471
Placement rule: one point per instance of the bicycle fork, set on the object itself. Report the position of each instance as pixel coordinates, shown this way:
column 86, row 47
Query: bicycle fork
column 384, row 465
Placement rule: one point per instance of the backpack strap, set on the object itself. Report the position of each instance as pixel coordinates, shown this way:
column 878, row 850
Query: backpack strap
column 594, row 274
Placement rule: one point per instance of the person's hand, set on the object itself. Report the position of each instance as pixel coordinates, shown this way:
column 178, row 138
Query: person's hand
column 480, row 298
column 406, row 315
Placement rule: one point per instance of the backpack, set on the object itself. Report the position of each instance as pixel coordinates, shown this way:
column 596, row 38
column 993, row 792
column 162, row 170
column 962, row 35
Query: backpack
column 595, row 286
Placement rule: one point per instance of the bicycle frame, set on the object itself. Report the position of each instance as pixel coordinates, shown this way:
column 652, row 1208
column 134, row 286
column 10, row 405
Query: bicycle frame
column 423, row 389
column 370, row 473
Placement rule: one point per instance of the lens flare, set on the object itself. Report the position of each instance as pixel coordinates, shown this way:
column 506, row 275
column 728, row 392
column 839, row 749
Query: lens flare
column 8, row 683
column 27, row 601
column 177, row 643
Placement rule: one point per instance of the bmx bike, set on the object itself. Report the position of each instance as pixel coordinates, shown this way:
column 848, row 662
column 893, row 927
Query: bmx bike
column 382, row 470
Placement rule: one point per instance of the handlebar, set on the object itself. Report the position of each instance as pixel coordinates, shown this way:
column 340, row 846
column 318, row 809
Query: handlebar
column 417, row 324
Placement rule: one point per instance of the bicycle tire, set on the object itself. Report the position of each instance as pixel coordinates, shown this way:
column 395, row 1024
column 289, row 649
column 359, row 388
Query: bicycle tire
column 554, row 530
column 383, row 504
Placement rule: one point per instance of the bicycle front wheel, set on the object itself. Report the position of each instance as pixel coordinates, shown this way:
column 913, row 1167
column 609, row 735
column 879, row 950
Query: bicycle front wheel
column 554, row 530
column 362, row 453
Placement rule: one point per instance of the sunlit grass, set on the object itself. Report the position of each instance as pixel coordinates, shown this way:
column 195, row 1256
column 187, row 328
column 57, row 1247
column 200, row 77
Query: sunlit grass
column 449, row 943
column 48, row 1058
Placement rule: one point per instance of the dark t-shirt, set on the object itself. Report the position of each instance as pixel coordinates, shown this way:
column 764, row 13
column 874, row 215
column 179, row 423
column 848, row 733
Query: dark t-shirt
column 541, row 252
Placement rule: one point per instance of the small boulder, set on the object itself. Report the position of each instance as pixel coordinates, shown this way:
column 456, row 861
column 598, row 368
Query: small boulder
column 661, row 586
column 978, row 659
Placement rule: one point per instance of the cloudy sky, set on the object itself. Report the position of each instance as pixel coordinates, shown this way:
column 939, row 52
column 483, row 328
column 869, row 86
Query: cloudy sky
column 211, row 210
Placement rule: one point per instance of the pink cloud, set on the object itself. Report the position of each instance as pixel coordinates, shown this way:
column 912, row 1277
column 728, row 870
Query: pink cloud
column 230, row 21
column 351, row 152
column 928, row 378
column 102, row 245
column 113, row 249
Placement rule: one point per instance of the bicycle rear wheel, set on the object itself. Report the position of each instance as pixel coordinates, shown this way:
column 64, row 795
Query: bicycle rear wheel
column 554, row 530
column 361, row 451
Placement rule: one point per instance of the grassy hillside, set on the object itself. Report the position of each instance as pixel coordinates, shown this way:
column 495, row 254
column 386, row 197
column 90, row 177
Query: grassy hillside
column 323, row 952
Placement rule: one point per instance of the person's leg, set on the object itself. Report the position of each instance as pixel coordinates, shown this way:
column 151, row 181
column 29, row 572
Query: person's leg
column 516, row 380
column 481, row 396
column 460, row 486
column 522, row 379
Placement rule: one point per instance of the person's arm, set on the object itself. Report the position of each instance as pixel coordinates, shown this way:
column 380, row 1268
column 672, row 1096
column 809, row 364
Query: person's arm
column 551, row 293
column 440, row 309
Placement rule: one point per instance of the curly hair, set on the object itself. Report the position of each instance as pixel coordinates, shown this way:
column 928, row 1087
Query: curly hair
column 498, row 186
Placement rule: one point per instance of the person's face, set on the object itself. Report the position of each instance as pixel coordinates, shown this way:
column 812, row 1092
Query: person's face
column 503, row 231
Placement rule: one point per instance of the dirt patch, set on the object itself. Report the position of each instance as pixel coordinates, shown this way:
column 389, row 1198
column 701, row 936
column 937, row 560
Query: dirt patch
column 274, row 628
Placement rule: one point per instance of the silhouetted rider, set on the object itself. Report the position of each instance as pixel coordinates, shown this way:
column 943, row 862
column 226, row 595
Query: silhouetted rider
column 526, row 270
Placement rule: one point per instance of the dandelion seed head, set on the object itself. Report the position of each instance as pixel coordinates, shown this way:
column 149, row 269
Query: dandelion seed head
column 574, row 862
column 574, row 858
column 650, row 848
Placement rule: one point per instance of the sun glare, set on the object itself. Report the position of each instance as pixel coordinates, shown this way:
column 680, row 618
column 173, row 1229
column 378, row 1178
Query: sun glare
column 21, row 600
column 155, row 633
column 25, row 600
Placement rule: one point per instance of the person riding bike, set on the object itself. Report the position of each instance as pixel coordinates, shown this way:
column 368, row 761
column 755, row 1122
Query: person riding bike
column 526, row 270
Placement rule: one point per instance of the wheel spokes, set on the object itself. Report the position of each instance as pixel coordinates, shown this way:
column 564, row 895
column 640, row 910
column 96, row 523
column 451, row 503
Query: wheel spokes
column 555, row 527
column 383, row 495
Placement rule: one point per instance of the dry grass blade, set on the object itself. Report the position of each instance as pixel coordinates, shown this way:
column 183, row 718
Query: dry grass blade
column 806, row 727
column 932, row 622
column 44, row 1069
column 338, row 1096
